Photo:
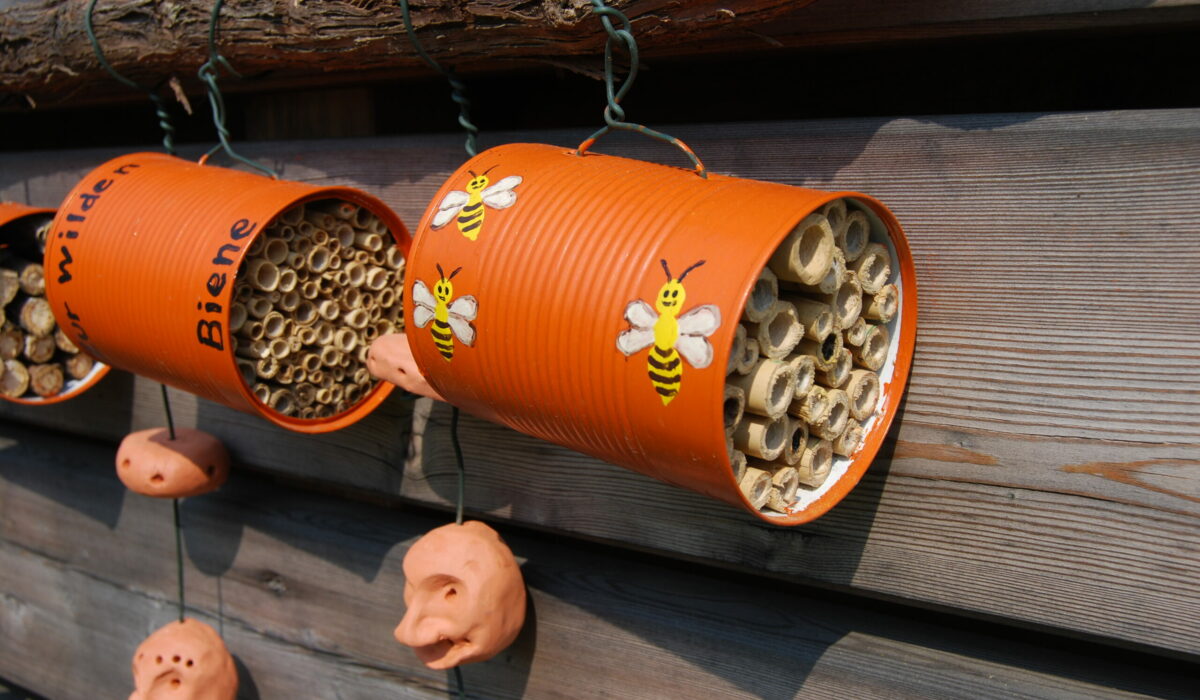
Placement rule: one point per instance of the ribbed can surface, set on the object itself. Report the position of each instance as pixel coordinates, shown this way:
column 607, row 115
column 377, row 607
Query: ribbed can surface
column 548, row 276
column 141, row 267
column 17, row 215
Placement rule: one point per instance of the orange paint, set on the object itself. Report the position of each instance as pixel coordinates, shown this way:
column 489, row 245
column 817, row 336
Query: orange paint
column 12, row 213
column 554, row 274
column 143, row 258
column 1129, row 473
column 942, row 453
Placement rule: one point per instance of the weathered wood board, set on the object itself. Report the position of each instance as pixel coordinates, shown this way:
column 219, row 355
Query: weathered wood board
column 48, row 59
column 1044, row 468
column 306, row 589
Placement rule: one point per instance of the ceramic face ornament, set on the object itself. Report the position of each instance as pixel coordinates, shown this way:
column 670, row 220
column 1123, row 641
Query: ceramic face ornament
column 149, row 462
column 465, row 596
column 390, row 359
column 184, row 661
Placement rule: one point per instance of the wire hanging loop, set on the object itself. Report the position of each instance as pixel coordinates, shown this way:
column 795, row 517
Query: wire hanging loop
column 458, row 89
column 160, row 107
column 614, row 114
column 209, row 72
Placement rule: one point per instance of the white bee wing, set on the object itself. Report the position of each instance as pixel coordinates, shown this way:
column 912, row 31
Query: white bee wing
column 422, row 295
column 422, row 315
column 466, row 308
column 450, row 205
column 462, row 329
column 695, row 349
column 634, row 339
column 640, row 315
column 702, row 320
column 500, row 195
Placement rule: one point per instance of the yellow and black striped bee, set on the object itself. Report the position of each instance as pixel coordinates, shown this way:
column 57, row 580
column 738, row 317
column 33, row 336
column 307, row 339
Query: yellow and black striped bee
column 670, row 336
column 451, row 318
column 472, row 203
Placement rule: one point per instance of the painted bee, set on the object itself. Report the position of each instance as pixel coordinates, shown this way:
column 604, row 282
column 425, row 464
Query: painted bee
column 671, row 335
column 471, row 203
column 450, row 318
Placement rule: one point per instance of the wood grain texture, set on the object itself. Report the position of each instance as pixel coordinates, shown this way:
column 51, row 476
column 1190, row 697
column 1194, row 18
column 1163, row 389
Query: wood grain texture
column 306, row 589
column 49, row 60
column 1044, row 467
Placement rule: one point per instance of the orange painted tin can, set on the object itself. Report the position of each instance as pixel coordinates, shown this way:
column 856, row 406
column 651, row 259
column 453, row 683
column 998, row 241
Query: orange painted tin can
column 520, row 279
column 18, row 230
column 141, row 264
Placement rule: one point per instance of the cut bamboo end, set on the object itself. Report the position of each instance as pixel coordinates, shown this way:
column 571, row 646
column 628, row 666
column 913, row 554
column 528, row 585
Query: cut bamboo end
column 872, row 353
column 857, row 332
column 737, row 350
column 817, row 462
column 797, row 438
column 733, row 407
column 873, row 267
column 756, row 485
column 737, row 462
column 762, row 297
column 761, row 437
column 750, row 356
column 263, row 275
column 854, row 235
column 79, row 365
column 276, row 251
column 768, row 388
column 776, row 501
column 36, row 316
column 39, row 349
column 850, row 440
column 835, row 377
column 787, row 480
column 779, row 332
column 237, row 316
column 883, row 304
column 46, row 379
column 815, row 316
column 10, row 284
column 812, row 407
column 806, row 372
column 15, row 380
column 64, row 343
column 835, row 212
column 863, row 390
column 807, row 252
column 846, row 302
column 835, row 420
column 823, row 352
column 32, row 279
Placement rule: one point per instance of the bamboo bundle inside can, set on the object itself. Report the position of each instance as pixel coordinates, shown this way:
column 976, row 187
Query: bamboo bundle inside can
column 829, row 280
column 768, row 388
column 318, row 284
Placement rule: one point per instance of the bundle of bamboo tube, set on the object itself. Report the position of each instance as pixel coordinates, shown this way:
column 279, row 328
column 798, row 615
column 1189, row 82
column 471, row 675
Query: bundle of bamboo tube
column 803, row 371
column 36, row 357
column 319, row 284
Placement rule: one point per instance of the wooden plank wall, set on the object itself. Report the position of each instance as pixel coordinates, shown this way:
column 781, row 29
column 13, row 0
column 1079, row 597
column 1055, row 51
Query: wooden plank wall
column 1042, row 474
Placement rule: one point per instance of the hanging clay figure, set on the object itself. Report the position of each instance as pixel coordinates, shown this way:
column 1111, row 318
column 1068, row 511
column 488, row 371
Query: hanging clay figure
column 185, row 660
column 149, row 462
column 465, row 596
column 390, row 359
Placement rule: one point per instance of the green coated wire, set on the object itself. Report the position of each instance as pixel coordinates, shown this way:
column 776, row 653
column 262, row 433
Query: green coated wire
column 458, row 89
column 160, row 108
column 614, row 114
column 208, row 73
column 179, row 557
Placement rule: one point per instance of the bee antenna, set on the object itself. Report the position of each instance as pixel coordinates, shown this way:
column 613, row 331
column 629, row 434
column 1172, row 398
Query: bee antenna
column 693, row 267
column 666, row 269
column 485, row 172
column 473, row 175
column 439, row 267
column 456, row 271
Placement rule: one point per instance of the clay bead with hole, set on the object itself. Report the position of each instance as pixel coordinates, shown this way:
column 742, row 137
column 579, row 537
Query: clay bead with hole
column 465, row 596
column 149, row 462
column 184, row 661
